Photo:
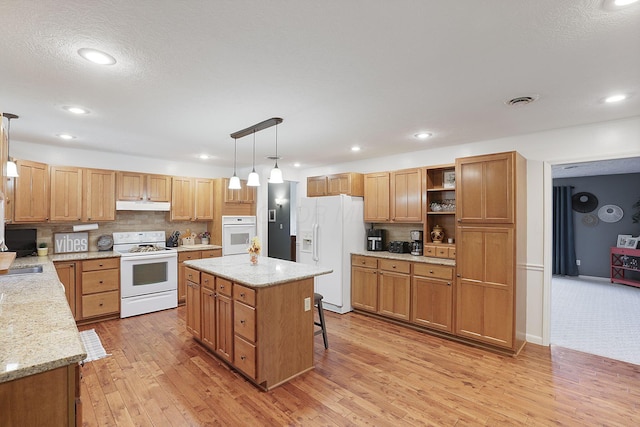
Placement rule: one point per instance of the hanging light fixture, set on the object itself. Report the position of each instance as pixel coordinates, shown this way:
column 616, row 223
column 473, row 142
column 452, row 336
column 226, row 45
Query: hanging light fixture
column 12, row 169
column 276, row 174
column 254, row 178
column 234, row 182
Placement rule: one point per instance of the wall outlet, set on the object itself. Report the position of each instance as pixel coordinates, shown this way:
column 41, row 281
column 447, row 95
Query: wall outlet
column 577, row 262
column 307, row 304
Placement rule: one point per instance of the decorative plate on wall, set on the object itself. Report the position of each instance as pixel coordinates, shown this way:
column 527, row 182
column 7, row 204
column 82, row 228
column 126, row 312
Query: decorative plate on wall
column 590, row 220
column 584, row 202
column 610, row 213
column 105, row 242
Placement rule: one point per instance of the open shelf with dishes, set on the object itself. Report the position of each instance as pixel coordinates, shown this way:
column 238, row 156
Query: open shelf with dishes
column 440, row 211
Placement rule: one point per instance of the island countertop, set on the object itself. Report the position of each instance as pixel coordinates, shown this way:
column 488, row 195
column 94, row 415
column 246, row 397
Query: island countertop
column 268, row 271
column 38, row 332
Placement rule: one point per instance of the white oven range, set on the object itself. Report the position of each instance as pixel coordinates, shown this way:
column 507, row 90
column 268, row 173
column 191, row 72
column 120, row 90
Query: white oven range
column 148, row 272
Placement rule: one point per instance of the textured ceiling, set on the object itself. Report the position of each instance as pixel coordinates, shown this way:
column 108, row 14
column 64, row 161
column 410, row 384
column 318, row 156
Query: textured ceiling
column 340, row 73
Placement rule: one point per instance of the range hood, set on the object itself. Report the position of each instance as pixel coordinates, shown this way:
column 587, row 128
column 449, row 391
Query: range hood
column 126, row 205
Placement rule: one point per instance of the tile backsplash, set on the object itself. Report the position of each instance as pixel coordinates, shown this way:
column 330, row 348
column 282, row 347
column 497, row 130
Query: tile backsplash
column 125, row 221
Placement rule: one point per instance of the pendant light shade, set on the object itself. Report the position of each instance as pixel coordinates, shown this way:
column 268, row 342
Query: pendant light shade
column 234, row 182
column 11, row 169
column 254, row 179
column 276, row 174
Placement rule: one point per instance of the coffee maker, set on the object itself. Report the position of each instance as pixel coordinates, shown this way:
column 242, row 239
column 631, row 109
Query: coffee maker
column 416, row 242
column 375, row 240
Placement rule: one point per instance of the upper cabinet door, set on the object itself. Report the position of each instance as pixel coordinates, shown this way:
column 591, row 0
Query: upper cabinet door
column 158, row 188
column 31, row 192
column 406, row 195
column 99, row 202
column 376, row 197
column 203, row 199
column 316, row 186
column 66, row 193
column 485, row 189
column 131, row 186
column 182, row 199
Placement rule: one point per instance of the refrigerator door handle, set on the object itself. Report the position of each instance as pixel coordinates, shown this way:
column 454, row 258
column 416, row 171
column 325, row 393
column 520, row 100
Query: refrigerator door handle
column 315, row 242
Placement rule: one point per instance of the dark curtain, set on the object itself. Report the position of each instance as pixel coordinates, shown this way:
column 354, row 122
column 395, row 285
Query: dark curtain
column 564, row 249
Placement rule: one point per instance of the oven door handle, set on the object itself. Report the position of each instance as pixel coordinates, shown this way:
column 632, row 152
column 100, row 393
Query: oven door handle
column 136, row 258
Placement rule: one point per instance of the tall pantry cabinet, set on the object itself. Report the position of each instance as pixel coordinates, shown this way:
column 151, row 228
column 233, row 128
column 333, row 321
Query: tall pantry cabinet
column 491, row 249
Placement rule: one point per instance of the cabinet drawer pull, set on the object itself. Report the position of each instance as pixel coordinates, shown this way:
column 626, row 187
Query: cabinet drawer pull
column 243, row 357
column 101, row 304
column 221, row 286
column 100, row 265
column 242, row 322
column 458, row 275
column 448, row 283
column 101, row 282
column 430, row 271
column 242, row 295
column 393, row 266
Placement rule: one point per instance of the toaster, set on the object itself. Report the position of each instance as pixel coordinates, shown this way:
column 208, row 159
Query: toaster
column 399, row 247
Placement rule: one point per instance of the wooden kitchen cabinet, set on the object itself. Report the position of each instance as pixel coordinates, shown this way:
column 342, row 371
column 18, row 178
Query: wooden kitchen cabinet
column 394, row 287
column 49, row 398
column 349, row 183
column 376, row 197
column 441, row 209
column 245, row 195
column 31, row 192
column 99, row 289
column 193, row 302
column 364, row 283
column 208, row 303
column 406, row 196
column 485, row 188
column 99, row 195
column 191, row 199
column 66, row 193
column 136, row 186
column 186, row 256
column 491, row 250
column 244, row 328
column 316, row 186
column 67, row 274
column 182, row 199
column 224, row 319
column 432, row 296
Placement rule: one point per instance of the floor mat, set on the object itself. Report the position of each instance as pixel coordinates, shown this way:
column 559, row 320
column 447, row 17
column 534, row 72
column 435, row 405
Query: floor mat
column 92, row 344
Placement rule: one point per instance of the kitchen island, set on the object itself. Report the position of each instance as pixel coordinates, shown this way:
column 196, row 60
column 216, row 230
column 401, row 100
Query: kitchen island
column 257, row 318
column 40, row 348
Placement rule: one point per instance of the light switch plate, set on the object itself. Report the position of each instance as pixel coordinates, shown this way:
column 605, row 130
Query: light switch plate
column 307, row 304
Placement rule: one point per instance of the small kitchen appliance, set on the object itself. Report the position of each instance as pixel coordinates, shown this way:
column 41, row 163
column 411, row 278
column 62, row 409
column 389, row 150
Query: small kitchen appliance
column 375, row 240
column 416, row 242
column 399, row 247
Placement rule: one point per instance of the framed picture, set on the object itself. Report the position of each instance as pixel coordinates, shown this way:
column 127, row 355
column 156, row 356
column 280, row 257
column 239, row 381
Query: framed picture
column 632, row 243
column 622, row 240
column 449, row 179
column 272, row 216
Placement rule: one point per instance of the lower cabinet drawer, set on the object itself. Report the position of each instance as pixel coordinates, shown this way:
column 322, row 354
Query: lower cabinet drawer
column 100, row 281
column 245, row 356
column 431, row 270
column 100, row 304
column 244, row 321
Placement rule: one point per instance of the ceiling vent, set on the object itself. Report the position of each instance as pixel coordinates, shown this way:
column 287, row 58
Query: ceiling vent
column 521, row 100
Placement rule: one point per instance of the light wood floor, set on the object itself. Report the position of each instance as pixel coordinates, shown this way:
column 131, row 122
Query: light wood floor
column 373, row 374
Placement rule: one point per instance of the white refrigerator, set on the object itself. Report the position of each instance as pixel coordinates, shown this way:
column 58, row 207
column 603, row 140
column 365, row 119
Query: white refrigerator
column 329, row 229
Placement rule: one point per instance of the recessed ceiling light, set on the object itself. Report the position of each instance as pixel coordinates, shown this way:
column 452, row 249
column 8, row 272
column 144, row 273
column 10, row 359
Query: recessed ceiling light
column 75, row 110
column 617, row 4
column 296, row 165
column 65, row 136
column 615, row 98
column 422, row 135
column 623, row 2
column 96, row 56
column 204, row 156
column 355, row 148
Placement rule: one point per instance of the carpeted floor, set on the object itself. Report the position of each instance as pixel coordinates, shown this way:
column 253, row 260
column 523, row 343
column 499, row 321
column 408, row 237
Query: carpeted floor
column 92, row 344
column 596, row 316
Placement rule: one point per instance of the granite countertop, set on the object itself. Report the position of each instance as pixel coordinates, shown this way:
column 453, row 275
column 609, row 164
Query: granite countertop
column 200, row 247
column 37, row 330
column 407, row 257
column 268, row 271
column 80, row 256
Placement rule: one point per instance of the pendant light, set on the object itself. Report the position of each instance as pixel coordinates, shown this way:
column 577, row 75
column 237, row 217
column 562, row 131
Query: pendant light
column 234, row 182
column 12, row 169
column 254, row 178
column 276, row 174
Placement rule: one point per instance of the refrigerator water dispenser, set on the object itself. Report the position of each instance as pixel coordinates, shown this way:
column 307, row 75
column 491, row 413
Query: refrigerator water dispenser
column 307, row 242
